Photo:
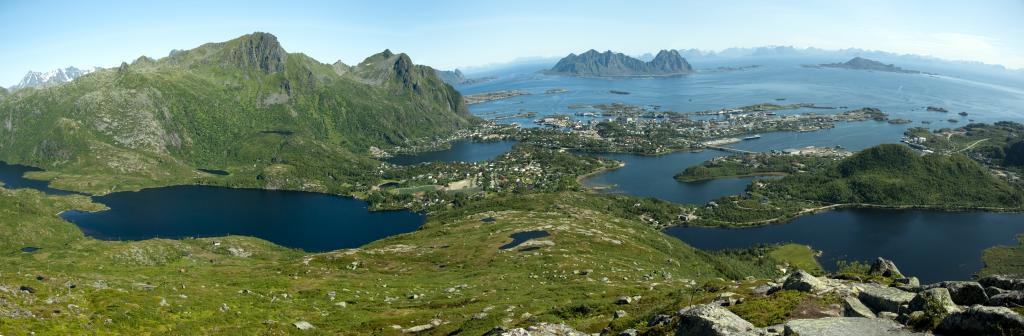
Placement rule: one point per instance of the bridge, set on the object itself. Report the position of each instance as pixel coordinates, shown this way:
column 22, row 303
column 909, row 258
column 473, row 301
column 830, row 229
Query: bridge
column 731, row 150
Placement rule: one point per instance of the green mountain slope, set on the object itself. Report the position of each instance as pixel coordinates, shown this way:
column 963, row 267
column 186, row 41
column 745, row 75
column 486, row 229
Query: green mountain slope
column 896, row 175
column 244, row 106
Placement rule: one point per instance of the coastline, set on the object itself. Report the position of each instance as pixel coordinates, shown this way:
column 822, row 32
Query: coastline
column 704, row 179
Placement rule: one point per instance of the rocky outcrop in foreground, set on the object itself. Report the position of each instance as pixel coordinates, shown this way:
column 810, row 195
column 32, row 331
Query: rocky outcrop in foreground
column 904, row 307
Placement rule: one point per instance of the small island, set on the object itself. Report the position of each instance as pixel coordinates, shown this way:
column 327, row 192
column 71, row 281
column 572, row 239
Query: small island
column 491, row 96
column 860, row 63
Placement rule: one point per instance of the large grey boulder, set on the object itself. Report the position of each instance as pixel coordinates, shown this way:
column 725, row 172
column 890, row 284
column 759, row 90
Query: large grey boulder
column 543, row 329
column 1007, row 299
column 852, row 307
column 712, row 320
column 803, row 281
column 882, row 298
column 964, row 293
column 911, row 281
column 846, row 326
column 981, row 320
column 934, row 300
column 1002, row 282
column 886, row 268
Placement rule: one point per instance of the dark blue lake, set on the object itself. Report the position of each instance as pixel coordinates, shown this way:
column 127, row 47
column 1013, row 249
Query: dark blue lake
column 309, row 221
column 460, row 151
column 932, row 246
column 12, row 176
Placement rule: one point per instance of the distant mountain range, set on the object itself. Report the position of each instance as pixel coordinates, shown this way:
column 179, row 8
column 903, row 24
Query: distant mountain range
column 611, row 64
column 451, row 77
column 34, row 79
column 860, row 63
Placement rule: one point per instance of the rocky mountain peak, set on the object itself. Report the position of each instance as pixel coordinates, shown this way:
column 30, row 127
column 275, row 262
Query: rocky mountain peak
column 259, row 50
column 50, row 78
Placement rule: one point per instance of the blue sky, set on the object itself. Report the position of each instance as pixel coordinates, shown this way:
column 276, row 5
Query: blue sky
column 42, row 35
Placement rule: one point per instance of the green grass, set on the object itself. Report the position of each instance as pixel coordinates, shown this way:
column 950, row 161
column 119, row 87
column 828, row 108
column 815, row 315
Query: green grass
column 769, row 310
column 798, row 256
column 1007, row 260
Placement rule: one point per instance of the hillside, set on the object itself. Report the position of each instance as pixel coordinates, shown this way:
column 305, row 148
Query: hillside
column 246, row 106
column 452, row 270
column 609, row 64
column 896, row 175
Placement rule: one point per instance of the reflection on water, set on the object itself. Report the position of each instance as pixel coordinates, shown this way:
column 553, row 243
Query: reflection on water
column 309, row 221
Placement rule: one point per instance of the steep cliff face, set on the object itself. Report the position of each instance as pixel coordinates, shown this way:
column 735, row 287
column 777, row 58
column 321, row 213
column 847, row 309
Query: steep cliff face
column 610, row 64
column 258, row 50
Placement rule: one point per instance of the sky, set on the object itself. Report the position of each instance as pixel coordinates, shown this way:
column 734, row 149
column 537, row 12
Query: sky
column 43, row 35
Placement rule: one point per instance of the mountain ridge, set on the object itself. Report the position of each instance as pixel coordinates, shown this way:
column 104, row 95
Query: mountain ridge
column 610, row 64
column 245, row 103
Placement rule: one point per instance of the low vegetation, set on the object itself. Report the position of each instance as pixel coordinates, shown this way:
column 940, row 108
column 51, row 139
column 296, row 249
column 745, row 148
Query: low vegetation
column 451, row 270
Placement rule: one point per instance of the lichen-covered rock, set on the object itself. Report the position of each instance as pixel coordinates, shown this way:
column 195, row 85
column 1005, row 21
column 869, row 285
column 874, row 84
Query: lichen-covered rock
column 882, row 298
column 934, row 301
column 803, row 281
column 543, row 329
column 712, row 320
column 964, row 293
column 981, row 320
column 911, row 281
column 852, row 307
column 886, row 268
column 303, row 325
column 1003, row 282
column 846, row 326
column 1007, row 299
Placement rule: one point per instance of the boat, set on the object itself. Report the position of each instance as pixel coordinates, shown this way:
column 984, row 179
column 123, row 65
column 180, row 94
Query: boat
column 753, row 137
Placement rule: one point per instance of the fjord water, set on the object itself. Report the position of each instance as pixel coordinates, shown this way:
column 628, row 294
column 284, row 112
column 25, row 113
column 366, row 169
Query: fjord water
column 900, row 95
column 460, row 151
column 652, row 176
column 308, row 221
column 929, row 244
column 932, row 246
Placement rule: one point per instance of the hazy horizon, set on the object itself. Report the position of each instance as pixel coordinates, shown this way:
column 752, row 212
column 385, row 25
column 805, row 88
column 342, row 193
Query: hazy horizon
column 448, row 35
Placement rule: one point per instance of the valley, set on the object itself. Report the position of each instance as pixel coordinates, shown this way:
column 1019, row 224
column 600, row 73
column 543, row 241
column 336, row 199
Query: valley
column 236, row 188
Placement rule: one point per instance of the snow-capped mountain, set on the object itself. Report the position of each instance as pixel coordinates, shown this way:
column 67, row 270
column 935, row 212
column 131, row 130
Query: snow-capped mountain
column 51, row 78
